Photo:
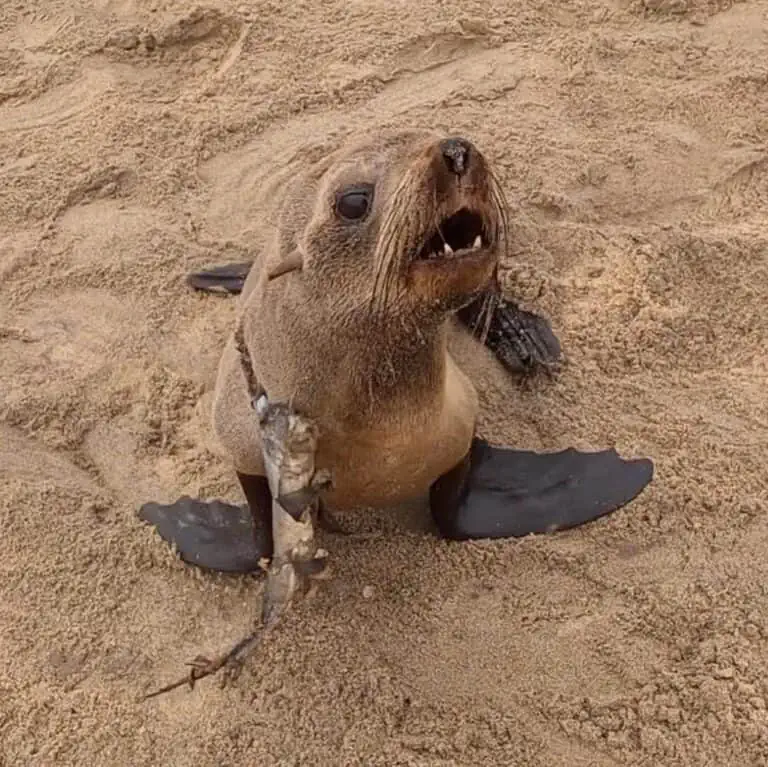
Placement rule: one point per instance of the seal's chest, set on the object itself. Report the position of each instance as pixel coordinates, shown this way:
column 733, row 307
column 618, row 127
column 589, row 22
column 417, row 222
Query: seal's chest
column 380, row 470
column 382, row 465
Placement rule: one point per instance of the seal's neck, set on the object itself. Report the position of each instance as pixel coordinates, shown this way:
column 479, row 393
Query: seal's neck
column 400, row 364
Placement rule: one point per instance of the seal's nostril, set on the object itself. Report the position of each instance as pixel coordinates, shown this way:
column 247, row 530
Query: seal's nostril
column 456, row 155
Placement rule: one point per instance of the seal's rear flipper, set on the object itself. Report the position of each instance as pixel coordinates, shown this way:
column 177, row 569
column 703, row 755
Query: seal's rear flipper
column 502, row 493
column 213, row 535
column 229, row 278
column 522, row 341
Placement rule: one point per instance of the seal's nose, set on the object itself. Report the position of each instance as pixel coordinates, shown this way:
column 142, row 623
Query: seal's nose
column 456, row 155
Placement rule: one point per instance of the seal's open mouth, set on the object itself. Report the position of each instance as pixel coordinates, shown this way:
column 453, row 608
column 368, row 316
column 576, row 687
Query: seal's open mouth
column 456, row 235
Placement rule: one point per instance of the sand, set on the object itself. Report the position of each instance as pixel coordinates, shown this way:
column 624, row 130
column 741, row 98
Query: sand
column 136, row 138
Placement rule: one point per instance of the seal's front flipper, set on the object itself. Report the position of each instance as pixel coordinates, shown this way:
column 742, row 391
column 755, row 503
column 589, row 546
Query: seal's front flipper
column 502, row 493
column 213, row 535
column 229, row 278
column 522, row 341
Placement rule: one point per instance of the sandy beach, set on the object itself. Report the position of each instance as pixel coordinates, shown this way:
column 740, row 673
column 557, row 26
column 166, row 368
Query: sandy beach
column 631, row 136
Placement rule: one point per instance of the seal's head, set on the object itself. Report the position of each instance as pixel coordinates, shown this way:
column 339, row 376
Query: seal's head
column 411, row 224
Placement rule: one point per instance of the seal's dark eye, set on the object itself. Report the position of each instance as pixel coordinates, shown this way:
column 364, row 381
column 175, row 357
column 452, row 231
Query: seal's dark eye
column 354, row 202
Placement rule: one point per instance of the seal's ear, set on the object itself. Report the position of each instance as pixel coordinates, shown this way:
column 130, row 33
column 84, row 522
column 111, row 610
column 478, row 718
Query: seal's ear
column 291, row 263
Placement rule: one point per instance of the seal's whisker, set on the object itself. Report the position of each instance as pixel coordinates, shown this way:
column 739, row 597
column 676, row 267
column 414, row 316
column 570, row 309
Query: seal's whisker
column 490, row 301
column 436, row 217
column 382, row 256
column 391, row 239
column 384, row 268
column 499, row 201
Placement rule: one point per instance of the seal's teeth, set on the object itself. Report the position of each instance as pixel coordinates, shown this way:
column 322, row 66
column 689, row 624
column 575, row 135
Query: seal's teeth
column 447, row 249
column 477, row 243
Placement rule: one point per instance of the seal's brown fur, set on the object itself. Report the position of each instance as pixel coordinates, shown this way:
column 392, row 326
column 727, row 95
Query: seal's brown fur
column 343, row 320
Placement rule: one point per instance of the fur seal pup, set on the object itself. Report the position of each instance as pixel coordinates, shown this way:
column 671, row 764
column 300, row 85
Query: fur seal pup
column 381, row 250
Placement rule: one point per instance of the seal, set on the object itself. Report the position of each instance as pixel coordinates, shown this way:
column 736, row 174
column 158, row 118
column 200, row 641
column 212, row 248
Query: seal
column 380, row 252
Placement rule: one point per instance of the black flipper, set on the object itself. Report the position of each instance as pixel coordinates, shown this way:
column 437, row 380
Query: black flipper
column 493, row 493
column 213, row 535
column 502, row 493
column 228, row 279
column 522, row 341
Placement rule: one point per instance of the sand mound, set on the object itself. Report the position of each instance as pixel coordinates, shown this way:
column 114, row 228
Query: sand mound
column 135, row 138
